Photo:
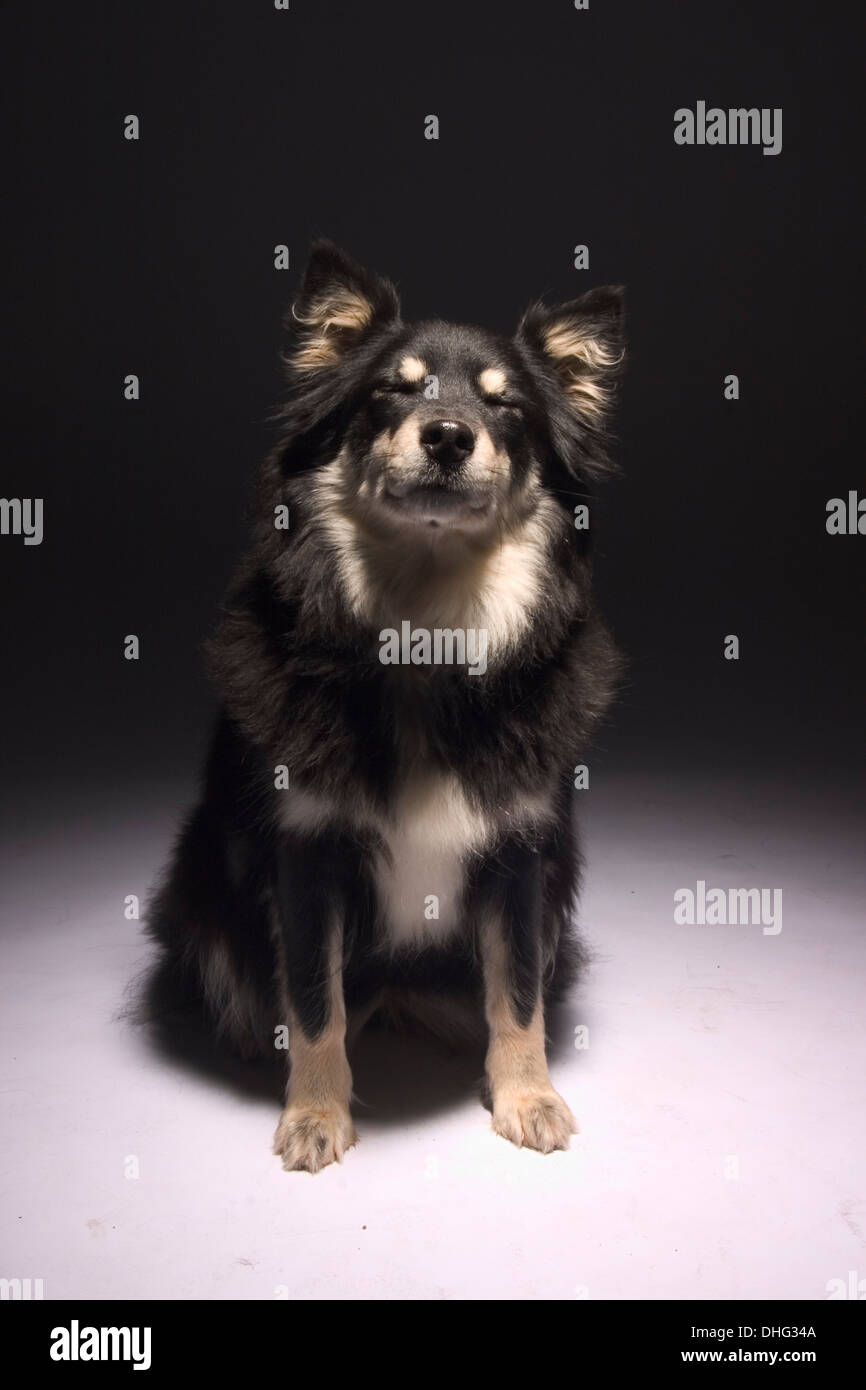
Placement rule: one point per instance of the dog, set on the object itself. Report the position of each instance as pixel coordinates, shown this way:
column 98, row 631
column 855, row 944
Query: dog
column 410, row 665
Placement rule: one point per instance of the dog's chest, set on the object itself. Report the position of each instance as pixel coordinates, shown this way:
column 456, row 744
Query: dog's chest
column 421, row 847
column 428, row 840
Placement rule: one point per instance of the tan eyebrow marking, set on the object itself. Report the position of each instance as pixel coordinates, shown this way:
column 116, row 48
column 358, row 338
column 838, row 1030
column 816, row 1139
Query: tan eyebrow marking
column 412, row 369
column 493, row 381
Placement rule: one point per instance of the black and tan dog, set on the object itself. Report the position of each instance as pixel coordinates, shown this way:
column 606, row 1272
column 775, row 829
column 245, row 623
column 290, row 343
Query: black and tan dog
column 410, row 665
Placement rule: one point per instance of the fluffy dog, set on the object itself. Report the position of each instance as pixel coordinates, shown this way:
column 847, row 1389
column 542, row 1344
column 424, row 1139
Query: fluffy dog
column 410, row 665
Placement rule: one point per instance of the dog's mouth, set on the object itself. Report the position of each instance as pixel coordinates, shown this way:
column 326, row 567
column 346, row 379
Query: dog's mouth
column 438, row 502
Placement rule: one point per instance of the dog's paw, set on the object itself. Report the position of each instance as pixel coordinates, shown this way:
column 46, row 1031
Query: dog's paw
column 311, row 1139
column 534, row 1119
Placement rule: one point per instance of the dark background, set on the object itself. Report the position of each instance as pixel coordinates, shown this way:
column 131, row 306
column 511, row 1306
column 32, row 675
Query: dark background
column 261, row 127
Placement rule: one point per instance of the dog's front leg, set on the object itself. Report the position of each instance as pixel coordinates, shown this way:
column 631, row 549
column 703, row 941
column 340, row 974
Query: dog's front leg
column 315, row 1127
column 526, row 1108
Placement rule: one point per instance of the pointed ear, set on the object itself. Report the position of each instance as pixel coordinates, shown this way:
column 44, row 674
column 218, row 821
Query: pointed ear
column 339, row 306
column 583, row 345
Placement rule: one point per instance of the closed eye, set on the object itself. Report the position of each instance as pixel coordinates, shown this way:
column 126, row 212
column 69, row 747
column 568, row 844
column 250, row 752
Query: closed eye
column 395, row 388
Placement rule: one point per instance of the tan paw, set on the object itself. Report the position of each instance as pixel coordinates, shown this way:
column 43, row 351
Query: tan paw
column 311, row 1139
column 534, row 1119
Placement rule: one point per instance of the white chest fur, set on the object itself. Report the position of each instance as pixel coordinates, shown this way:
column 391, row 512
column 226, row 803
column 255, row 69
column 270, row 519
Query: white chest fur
column 421, row 871
column 427, row 841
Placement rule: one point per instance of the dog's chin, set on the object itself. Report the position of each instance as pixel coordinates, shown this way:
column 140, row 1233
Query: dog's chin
column 440, row 505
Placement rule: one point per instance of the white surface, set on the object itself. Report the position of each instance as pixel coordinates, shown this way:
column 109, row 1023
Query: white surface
column 706, row 1043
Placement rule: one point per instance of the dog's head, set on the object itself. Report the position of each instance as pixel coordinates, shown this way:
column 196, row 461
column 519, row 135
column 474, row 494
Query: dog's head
column 435, row 425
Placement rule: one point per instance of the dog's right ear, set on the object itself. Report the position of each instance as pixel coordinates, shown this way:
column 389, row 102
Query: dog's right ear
column 340, row 305
column 582, row 342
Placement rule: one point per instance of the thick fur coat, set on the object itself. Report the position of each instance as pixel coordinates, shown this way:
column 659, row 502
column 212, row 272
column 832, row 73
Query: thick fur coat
column 386, row 822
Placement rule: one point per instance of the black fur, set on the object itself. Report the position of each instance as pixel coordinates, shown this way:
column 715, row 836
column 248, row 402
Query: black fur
column 243, row 912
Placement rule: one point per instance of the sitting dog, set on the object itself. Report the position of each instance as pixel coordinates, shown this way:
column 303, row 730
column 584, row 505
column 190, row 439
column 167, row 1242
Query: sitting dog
column 410, row 665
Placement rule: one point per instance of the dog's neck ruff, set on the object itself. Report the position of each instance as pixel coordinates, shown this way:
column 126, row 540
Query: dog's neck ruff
column 437, row 580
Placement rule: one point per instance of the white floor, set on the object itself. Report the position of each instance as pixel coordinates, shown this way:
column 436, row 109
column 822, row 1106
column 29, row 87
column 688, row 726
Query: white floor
column 721, row 1152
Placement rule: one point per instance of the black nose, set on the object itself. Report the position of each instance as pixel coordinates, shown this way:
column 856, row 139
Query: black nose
column 448, row 442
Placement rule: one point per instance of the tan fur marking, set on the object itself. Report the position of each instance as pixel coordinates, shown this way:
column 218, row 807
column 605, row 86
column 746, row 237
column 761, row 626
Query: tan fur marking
column 340, row 310
column 493, row 381
column 526, row 1108
column 412, row 369
column 316, row 1127
column 566, row 342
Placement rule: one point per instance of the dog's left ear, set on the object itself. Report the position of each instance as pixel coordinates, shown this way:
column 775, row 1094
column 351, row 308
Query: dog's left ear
column 583, row 344
column 339, row 306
